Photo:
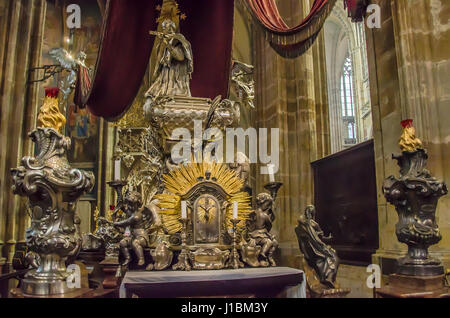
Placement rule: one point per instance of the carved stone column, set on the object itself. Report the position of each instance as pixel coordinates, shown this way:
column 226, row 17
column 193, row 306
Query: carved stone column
column 286, row 99
column 321, row 97
column 408, row 69
column 21, row 34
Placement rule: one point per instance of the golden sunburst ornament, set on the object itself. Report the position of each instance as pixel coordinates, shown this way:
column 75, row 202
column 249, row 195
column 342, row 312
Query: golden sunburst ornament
column 181, row 180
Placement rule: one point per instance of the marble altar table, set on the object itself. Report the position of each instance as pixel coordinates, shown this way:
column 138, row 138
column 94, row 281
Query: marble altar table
column 273, row 282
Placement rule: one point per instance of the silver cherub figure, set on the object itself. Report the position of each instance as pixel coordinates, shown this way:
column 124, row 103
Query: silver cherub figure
column 137, row 224
column 259, row 226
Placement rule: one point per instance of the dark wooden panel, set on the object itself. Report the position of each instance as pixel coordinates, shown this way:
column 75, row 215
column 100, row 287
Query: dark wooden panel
column 346, row 202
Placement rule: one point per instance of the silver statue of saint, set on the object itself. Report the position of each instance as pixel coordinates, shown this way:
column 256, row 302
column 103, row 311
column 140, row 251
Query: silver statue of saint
column 174, row 66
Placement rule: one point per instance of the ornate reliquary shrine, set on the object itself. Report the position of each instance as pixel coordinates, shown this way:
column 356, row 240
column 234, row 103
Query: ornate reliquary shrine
column 196, row 214
column 209, row 191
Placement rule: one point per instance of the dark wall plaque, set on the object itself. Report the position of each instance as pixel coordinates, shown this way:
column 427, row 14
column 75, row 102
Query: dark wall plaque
column 346, row 202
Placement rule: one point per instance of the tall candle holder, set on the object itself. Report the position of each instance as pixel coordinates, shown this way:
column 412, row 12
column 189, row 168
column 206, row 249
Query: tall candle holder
column 183, row 258
column 118, row 186
column 53, row 189
column 111, row 267
column 235, row 261
column 415, row 194
column 273, row 188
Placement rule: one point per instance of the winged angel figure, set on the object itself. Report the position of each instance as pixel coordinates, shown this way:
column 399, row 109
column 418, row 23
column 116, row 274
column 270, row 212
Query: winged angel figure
column 75, row 66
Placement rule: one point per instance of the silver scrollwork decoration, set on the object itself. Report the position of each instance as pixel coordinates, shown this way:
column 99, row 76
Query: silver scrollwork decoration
column 53, row 188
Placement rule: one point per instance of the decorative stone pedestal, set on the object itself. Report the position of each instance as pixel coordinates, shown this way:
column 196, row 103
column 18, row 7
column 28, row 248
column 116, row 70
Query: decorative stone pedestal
column 402, row 286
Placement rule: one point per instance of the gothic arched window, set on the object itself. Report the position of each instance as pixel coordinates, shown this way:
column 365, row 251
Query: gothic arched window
column 348, row 101
column 347, row 98
column 350, row 114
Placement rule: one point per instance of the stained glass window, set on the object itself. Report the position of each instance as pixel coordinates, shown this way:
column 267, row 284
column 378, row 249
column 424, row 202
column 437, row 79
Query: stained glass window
column 347, row 95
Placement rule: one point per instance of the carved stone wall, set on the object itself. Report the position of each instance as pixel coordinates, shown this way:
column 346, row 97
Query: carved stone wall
column 291, row 94
column 343, row 39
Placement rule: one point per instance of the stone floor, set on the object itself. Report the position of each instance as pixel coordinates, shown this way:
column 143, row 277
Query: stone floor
column 354, row 278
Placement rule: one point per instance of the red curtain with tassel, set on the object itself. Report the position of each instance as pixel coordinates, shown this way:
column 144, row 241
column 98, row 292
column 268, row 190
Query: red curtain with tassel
column 290, row 42
column 126, row 48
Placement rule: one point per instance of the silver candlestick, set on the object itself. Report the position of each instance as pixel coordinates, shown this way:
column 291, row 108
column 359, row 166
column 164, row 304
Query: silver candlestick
column 235, row 261
column 273, row 188
column 53, row 188
column 183, row 258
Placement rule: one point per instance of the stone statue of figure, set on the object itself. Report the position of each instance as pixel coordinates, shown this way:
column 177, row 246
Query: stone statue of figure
column 259, row 229
column 174, row 66
column 318, row 255
column 138, row 221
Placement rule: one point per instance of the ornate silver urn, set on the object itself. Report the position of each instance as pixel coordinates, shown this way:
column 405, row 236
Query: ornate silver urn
column 415, row 195
column 53, row 189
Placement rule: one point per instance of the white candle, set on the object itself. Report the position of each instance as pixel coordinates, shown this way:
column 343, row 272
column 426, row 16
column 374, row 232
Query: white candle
column 183, row 209
column 235, row 210
column 117, row 169
column 271, row 173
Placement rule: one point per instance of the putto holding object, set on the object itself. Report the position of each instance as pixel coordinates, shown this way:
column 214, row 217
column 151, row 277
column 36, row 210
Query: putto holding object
column 138, row 222
column 259, row 227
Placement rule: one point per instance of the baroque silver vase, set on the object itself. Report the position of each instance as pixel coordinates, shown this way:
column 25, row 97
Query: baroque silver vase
column 53, row 189
column 415, row 195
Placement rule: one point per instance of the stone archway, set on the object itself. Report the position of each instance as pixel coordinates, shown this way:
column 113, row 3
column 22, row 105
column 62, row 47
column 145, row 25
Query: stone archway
column 346, row 39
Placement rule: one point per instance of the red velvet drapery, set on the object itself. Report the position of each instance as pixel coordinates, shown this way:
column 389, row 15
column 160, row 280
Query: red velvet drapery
column 126, row 48
column 123, row 57
column 290, row 42
column 209, row 28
